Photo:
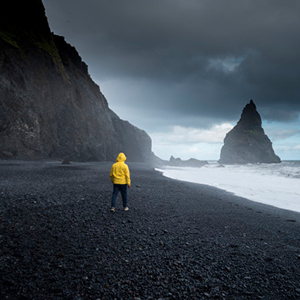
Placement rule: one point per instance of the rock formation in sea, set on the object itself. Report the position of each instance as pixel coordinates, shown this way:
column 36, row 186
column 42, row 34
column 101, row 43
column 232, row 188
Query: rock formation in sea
column 192, row 162
column 49, row 105
column 247, row 141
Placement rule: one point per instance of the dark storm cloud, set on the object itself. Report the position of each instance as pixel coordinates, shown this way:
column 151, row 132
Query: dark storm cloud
column 211, row 56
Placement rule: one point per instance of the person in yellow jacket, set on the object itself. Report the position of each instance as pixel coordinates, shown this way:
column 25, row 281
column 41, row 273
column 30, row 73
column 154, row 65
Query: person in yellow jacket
column 120, row 177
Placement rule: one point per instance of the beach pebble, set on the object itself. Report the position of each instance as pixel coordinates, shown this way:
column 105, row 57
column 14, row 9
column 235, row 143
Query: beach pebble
column 179, row 240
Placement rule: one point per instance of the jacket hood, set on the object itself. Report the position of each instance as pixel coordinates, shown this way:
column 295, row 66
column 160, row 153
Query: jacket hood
column 121, row 157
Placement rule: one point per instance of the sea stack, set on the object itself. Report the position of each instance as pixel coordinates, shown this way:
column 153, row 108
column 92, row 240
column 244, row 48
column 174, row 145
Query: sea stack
column 247, row 141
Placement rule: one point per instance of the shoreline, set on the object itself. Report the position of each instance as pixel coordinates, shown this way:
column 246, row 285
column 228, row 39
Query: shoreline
column 266, row 183
column 179, row 240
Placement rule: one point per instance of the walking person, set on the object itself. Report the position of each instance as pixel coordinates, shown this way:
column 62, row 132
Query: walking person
column 120, row 177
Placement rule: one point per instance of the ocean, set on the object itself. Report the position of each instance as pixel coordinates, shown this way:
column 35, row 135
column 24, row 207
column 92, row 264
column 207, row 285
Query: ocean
column 273, row 184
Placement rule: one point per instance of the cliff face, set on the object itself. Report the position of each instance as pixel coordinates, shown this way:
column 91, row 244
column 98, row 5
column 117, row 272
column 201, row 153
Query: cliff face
column 49, row 105
column 247, row 142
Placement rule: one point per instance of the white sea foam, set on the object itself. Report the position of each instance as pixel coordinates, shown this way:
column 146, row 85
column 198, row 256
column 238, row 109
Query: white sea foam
column 273, row 184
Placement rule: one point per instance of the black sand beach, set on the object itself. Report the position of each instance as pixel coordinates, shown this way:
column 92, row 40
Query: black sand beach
column 59, row 240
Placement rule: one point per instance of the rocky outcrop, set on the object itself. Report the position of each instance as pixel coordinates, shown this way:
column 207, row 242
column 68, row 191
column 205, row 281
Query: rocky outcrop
column 49, row 105
column 247, row 142
column 192, row 162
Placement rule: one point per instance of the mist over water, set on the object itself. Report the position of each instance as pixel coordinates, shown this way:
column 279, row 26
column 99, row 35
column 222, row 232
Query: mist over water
column 273, row 184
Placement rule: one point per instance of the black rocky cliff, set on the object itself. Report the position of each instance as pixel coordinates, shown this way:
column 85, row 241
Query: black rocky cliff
column 49, row 105
column 247, row 142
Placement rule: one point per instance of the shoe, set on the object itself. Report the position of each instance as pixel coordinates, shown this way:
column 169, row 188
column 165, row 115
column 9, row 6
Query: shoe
column 126, row 208
column 112, row 209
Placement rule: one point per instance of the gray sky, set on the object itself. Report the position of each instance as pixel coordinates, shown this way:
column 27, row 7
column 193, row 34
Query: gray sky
column 184, row 70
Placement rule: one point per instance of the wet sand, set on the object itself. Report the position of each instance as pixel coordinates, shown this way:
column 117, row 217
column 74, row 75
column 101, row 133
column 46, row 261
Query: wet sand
column 179, row 240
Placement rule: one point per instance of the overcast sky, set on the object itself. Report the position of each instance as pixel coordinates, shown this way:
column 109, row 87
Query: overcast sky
column 183, row 70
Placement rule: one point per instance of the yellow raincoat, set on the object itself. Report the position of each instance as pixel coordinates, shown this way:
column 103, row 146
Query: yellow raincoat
column 119, row 173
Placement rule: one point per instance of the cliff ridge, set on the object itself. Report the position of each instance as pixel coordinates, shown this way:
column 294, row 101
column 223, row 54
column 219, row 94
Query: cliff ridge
column 49, row 105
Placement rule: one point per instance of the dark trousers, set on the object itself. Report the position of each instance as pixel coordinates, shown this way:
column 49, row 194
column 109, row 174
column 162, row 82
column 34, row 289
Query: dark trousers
column 122, row 188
